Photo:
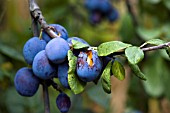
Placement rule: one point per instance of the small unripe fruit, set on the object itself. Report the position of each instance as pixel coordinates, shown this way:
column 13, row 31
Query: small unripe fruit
column 63, row 102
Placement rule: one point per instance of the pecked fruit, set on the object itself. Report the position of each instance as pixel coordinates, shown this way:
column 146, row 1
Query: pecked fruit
column 60, row 30
column 63, row 102
column 31, row 48
column 42, row 67
column 89, row 66
column 57, row 50
column 26, row 83
column 63, row 74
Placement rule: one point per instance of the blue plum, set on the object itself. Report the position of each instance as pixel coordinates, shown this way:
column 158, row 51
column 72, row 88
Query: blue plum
column 42, row 67
column 26, row 83
column 57, row 50
column 69, row 40
column 31, row 48
column 113, row 15
column 60, row 30
column 89, row 66
column 95, row 17
column 63, row 102
column 63, row 74
column 98, row 5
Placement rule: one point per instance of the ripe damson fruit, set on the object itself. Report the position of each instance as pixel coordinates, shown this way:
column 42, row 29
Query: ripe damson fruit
column 31, row 48
column 63, row 102
column 59, row 30
column 63, row 74
column 89, row 66
column 56, row 50
column 113, row 15
column 42, row 67
column 26, row 83
column 102, row 6
column 95, row 17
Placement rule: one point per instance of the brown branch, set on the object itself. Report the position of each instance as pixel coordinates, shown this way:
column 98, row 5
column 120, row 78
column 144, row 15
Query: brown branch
column 37, row 16
column 161, row 46
column 151, row 48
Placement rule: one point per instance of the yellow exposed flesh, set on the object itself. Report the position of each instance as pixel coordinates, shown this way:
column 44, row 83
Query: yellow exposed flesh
column 89, row 58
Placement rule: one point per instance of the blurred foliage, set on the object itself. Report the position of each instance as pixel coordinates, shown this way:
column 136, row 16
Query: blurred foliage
column 153, row 22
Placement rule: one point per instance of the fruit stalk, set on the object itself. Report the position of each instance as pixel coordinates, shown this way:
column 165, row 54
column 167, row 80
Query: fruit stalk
column 36, row 16
column 46, row 98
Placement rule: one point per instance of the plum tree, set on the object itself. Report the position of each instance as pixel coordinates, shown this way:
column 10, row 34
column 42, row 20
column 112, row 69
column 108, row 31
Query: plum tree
column 59, row 30
column 63, row 102
column 31, row 48
column 63, row 74
column 56, row 50
column 42, row 67
column 26, row 83
column 89, row 66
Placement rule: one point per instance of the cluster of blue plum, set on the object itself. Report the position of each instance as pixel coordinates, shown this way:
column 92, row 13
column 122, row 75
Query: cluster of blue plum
column 47, row 59
column 100, row 9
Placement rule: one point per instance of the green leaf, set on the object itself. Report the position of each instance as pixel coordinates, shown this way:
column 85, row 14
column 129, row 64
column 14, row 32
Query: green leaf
column 11, row 52
column 118, row 70
column 134, row 54
column 155, row 42
column 105, row 79
column 127, row 30
column 167, row 3
column 148, row 34
column 76, row 85
column 137, row 71
column 153, row 1
column 79, row 45
column 107, row 48
column 155, row 74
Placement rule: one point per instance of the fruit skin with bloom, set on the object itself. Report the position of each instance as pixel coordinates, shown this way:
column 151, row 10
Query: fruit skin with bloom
column 59, row 30
column 63, row 74
column 31, row 48
column 26, row 83
column 89, row 66
column 63, row 102
column 56, row 50
column 42, row 67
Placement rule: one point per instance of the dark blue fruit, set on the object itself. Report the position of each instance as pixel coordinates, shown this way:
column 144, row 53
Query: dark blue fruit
column 95, row 17
column 42, row 67
column 59, row 30
column 63, row 74
column 31, row 48
column 25, row 82
column 113, row 15
column 69, row 40
column 56, row 50
column 98, row 5
column 63, row 102
column 89, row 66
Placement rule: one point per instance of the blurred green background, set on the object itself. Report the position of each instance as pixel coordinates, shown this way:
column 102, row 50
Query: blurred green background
column 129, row 96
